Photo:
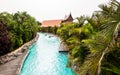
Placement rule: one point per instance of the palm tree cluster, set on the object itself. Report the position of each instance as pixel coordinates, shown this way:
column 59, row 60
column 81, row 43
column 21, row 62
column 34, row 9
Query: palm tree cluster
column 94, row 42
column 21, row 28
column 104, row 43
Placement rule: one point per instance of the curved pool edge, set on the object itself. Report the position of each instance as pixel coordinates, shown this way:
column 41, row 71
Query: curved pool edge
column 29, row 44
column 22, row 62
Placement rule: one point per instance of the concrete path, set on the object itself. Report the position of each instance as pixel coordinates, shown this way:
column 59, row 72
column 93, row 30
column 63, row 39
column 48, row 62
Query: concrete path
column 12, row 67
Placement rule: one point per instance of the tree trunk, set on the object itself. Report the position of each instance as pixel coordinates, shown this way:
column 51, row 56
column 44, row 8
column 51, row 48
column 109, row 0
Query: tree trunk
column 99, row 64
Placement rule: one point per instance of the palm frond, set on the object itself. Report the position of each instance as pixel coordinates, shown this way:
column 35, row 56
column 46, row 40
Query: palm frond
column 112, row 69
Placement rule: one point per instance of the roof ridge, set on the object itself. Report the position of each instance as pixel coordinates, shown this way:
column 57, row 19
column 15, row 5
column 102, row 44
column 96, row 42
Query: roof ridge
column 53, row 20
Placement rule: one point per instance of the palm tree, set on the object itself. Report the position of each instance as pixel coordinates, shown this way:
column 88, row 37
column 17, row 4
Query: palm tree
column 112, row 27
column 81, row 20
column 104, row 41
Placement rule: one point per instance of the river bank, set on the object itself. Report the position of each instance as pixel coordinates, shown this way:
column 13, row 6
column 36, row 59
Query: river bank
column 8, row 67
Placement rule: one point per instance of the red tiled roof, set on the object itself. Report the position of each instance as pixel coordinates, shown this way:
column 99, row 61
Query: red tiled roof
column 51, row 23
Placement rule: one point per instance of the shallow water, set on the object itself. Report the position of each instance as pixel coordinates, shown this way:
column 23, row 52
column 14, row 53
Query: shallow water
column 44, row 58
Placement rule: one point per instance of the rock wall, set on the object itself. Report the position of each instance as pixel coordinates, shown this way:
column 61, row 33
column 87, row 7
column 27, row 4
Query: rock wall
column 63, row 47
column 12, row 55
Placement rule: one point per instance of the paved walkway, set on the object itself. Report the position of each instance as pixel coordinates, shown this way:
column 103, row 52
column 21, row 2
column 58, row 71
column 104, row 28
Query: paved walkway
column 12, row 67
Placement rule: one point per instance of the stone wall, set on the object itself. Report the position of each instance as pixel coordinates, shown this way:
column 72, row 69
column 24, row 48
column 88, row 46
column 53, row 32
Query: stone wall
column 63, row 47
column 12, row 55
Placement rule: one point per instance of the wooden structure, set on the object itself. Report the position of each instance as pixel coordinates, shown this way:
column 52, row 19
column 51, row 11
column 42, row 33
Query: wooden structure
column 52, row 23
column 68, row 19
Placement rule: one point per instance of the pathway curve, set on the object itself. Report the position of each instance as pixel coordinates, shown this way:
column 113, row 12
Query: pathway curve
column 12, row 67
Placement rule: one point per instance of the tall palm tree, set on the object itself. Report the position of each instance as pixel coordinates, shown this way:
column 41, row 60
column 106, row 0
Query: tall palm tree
column 111, row 28
column 104, row 41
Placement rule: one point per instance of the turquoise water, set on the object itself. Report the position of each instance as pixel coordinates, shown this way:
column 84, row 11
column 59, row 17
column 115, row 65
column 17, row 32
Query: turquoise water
column 44, row 58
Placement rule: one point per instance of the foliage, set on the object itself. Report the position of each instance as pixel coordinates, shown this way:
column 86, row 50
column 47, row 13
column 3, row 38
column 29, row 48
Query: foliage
column 5, row 39
column 52, row 30
column 22, row 27
column 102, row 43
column 94, row 44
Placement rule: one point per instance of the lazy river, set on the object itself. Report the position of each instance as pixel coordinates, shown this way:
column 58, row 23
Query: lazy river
column 45, row 59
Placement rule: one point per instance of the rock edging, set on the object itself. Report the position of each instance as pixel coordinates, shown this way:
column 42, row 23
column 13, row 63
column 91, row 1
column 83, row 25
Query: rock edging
column 27, row 53
column 14, row 54
column 18, row 71
column 63, row 47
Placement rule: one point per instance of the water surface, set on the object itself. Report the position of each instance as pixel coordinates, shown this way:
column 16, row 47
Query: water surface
column 45, row 59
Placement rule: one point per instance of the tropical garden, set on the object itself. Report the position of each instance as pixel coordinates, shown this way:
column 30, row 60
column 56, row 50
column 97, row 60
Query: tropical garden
column 94, row 42
column 15, row 30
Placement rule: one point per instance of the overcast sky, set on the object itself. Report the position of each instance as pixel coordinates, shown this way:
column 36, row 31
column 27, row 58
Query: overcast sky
column 51, row 9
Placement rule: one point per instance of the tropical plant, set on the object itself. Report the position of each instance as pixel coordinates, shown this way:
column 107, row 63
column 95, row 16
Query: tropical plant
column 5, row 39
column 103, row 42
column 81, row 20
column 22, row 27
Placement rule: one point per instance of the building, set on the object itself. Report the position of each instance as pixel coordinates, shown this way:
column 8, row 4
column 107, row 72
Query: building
column 52, row 23
column 68, row 19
